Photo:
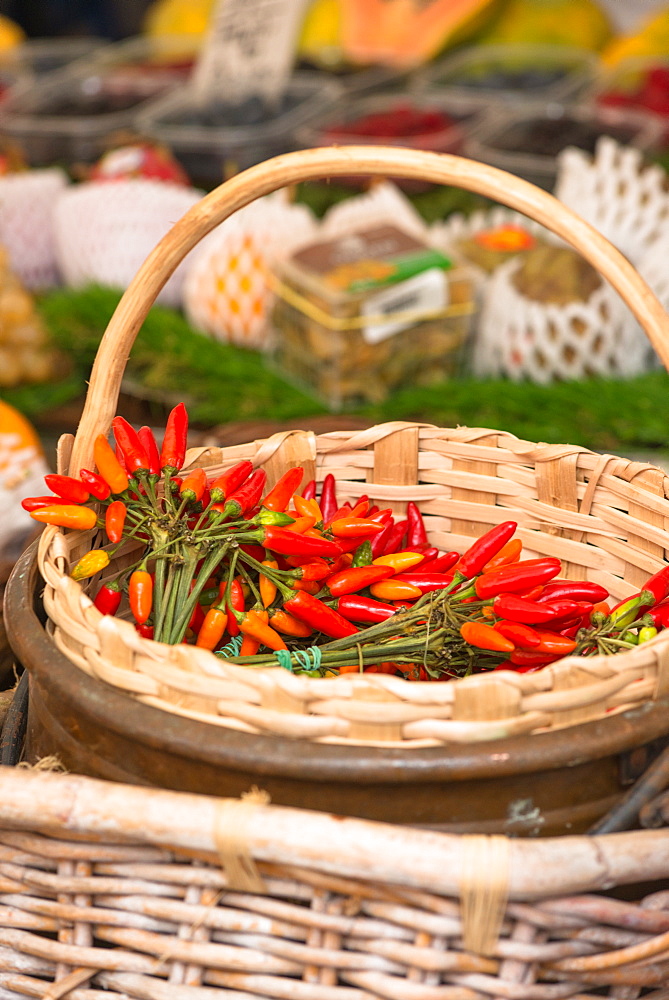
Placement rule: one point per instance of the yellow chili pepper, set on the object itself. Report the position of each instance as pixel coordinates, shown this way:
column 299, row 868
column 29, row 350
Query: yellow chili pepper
column 90, row 564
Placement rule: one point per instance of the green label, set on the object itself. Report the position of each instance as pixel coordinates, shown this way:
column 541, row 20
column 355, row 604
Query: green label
column 402, row 267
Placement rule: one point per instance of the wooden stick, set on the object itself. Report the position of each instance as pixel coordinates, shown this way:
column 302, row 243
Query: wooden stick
column 293, row 168
column 365, row 850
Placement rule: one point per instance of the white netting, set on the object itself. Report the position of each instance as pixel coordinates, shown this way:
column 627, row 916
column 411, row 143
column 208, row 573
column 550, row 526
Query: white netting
column 520, row 338
column 225, row 291
column 26, row 225
column 105, row 230
column 618, row 193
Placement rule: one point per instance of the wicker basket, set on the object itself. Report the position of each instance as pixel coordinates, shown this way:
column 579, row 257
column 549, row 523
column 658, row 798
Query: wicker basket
column 111, row 891
column 605, row 517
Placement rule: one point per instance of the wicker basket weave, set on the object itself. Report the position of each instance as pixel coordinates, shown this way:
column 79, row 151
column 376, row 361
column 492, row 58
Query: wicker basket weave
column 606, row 518
column 110, row 892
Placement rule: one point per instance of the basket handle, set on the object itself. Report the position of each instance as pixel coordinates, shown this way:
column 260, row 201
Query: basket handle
column 310, row 164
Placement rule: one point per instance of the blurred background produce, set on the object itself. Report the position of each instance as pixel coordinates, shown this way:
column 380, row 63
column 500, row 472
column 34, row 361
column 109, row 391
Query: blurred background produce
column 510, row 82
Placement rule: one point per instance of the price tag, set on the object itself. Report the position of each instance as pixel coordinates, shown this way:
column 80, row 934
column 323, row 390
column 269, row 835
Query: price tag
column 249, row 50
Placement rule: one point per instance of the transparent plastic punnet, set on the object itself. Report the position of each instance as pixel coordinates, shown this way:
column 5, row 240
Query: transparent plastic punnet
column 69, row 115
column 514, row 72
column 215, row 140
column 526, row 141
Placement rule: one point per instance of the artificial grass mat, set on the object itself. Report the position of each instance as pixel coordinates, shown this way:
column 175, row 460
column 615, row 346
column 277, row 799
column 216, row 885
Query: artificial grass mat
column 222, row 383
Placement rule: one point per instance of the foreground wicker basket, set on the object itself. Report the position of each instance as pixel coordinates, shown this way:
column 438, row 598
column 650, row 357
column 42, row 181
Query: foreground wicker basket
column 605, row 517
column 111, row 890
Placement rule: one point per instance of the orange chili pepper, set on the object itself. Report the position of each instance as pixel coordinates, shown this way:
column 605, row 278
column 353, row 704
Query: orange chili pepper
column 394, row 590
column 66, row 516
column 509, row 553
column 212, row 628
column 249, row 646
column 255, row 625
column 140, row 595
column 288, row 624
column 353, row 527
column 109, row 466
column 307, row 508
column 267, row 587
column 302, row 524
column 194, row 485
column 115, row 520
column 485, row 637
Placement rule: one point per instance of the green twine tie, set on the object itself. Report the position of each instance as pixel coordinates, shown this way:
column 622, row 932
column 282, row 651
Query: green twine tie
column 308, row 660
column 231, row 648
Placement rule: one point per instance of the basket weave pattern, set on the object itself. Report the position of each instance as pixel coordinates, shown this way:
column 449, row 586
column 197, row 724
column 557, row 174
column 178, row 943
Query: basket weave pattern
column 605, row 517
column 127, row 891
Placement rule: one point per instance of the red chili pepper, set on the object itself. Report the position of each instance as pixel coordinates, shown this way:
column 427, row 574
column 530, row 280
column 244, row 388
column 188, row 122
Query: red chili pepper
column 556, row 645
column 566, row 610
column 280, row 495
column 657, row 585
column 146, row 631
column 231, row 480
column 197, row 618
column 309, row 491
column 288, row 624
column 659, row 614
column 95, row 485
column 395, row 540
column 109, row 466
column 115, row 520
column 356, row 608
column 108, row 598
column 440, row 564
column 520, row 635
column 484, row 548
column 235, row 601
column 193, row 486
column 354, row 527
column 132, row 448
column 527, row 660
column 213, row 627
column 429, row 554
column 120, row 458
column 140, row 595
column 416, row 531
column 485, row 637
column 520, row 576
column 246, row 496
column 574, row 590
column 290, row 543
column 66, row 516
column 328, row 500
column 150, row 446
column 519, row 609
column 68, row 488
column 35, row 503
column 173, row 451
column 317, row 569
column 355, row 578
column 309, row 609
column 378, row 542
column 426, row 582
column 509, row 553
column 344, row 511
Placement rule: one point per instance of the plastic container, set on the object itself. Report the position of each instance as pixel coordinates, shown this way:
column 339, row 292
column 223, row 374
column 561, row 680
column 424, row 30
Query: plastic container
column 366, row 312
column 70, row 114
column 641, row 83
column 38, row 56
column 514, row 72
column 212, row 142
column 527, row 141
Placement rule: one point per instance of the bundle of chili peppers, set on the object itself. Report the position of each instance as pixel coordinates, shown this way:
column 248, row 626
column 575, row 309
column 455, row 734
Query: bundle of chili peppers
column 266, row 576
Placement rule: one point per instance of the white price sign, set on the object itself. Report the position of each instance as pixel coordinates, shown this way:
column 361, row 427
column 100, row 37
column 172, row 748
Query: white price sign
column 249, row 50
